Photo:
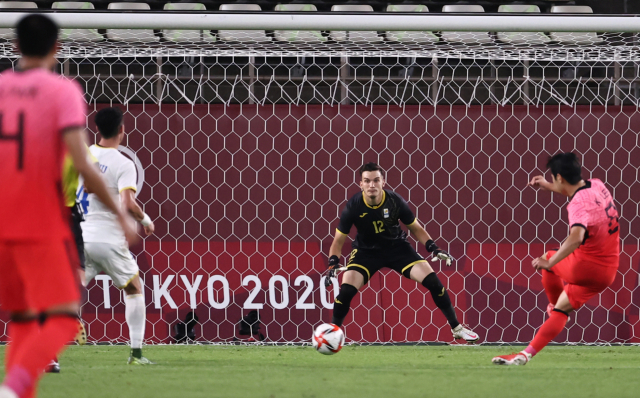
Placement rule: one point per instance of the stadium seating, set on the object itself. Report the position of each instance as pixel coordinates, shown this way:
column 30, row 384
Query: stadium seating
column 521, row 37
column 133, row 35
column 413, row 36
column 574, row 37
column 7, row 33
column 242, row 35
column 186, row 35
column 298, row 35
column 77, row 34
column 465, row 37
column 355, row 36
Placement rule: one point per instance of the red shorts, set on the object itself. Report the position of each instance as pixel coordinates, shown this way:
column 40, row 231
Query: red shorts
column 583, row 279
column 37, row 275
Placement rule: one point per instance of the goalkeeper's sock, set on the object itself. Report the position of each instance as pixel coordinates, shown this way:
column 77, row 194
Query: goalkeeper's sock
column 441, row 298
column 342, row 303
column 135, row 315
column 548, row 331
column 553, row 286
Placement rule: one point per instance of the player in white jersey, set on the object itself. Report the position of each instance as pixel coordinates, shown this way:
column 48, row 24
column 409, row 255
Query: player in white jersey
column 106, row 249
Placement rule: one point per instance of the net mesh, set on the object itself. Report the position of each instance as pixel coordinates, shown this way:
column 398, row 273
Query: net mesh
column 247, row 143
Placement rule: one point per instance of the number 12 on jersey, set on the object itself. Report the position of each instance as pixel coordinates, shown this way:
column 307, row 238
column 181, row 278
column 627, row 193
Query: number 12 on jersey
column 378, row 226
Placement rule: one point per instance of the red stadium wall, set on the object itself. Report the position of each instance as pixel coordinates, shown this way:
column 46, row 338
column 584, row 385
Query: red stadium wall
column 242, row 191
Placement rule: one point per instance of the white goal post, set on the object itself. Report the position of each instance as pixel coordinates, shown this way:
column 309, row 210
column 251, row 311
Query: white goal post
column 338, row 21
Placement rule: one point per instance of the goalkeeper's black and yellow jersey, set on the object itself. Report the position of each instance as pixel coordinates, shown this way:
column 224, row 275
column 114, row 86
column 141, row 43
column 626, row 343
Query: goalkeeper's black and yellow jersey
column 378, row 226
column 70, row 178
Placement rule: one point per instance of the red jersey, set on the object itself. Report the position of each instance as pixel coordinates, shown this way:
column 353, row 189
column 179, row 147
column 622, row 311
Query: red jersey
column 592, row 207
column 36, row 108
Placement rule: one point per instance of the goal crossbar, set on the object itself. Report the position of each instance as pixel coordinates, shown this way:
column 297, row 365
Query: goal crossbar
column 338, row 21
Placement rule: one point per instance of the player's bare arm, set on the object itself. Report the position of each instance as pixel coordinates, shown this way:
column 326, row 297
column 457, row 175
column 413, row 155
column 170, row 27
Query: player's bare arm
column 539, row 182
column 128, row 200
column 75, row 143
column 573, row 241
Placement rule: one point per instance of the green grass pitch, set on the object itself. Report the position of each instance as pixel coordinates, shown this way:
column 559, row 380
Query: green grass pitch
column 356, row 371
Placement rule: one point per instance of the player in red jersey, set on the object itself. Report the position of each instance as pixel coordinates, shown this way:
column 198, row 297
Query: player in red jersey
column 42, row 116
column 587, row 261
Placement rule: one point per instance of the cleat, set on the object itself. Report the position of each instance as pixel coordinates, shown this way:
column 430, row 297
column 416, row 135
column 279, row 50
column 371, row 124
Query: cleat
column 461, row 332
column 139, row 361
column 52, row 367
column 81, row 336
column 520, row 358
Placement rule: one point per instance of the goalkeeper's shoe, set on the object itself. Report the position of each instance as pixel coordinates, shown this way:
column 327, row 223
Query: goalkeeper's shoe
column 139, row 361
column 53, row 367
column 81, row 336
column 461, row 332
column 520, row 358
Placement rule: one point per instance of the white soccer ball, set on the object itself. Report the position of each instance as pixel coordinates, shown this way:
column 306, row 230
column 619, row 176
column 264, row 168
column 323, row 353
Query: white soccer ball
column 328, row 339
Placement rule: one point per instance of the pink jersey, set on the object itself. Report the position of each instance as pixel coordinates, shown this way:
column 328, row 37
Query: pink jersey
column 592, row 207
column 36, row 108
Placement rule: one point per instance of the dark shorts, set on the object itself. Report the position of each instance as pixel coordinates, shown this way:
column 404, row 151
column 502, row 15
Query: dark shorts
column 76, row 219
column 400, row 258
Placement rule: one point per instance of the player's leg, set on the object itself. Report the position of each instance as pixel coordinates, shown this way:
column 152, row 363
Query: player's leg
column 547, row 332
column 585, row 280
column 422, row 273
column 50, row 290
column 552, row 283
column 362, row 265
column 136, row 317
column 352, row 281
column 23, row 322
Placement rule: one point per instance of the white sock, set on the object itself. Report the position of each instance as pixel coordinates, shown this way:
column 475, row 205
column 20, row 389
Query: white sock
column 6, row 392
column 135, row 314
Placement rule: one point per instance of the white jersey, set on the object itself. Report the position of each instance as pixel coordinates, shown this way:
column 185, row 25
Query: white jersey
column 118, row 173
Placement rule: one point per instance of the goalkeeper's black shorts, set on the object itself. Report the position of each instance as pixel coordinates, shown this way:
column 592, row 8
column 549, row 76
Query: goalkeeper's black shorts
column 400, row 257
column 76, row 219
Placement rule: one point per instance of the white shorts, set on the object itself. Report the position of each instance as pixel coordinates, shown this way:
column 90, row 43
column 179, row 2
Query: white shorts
column 114, row 260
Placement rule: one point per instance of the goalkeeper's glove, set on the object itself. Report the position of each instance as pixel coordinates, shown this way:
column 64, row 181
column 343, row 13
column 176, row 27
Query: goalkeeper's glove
column 438, row 253
column 334, row 264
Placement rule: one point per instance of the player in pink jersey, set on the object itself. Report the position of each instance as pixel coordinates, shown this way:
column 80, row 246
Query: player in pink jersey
column 587, row 261
column 42, row 116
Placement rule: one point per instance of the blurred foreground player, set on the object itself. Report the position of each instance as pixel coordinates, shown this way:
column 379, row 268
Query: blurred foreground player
column 587, row 261
column 381, row 242
column 42, row 116
column 70, row 180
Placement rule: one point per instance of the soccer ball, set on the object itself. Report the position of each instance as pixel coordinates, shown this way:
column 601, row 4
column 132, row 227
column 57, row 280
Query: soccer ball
column 328, row 339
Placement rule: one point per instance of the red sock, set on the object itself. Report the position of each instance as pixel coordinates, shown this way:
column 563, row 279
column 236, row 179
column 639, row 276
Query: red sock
column 547, row 332
column 553, row 286
column 19, row 332
column 36, row 353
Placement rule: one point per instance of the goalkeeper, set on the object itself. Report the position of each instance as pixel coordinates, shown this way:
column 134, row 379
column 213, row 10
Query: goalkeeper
column 381, row 242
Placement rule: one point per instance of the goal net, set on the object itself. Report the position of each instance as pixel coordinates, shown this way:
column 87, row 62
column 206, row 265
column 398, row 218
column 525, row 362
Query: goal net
column 247, row 144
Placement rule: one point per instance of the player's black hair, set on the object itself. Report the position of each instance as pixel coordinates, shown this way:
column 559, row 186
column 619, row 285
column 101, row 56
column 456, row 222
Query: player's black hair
column 109, row 121
column 371, row 167
column 567, row 165
column 37, row 35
